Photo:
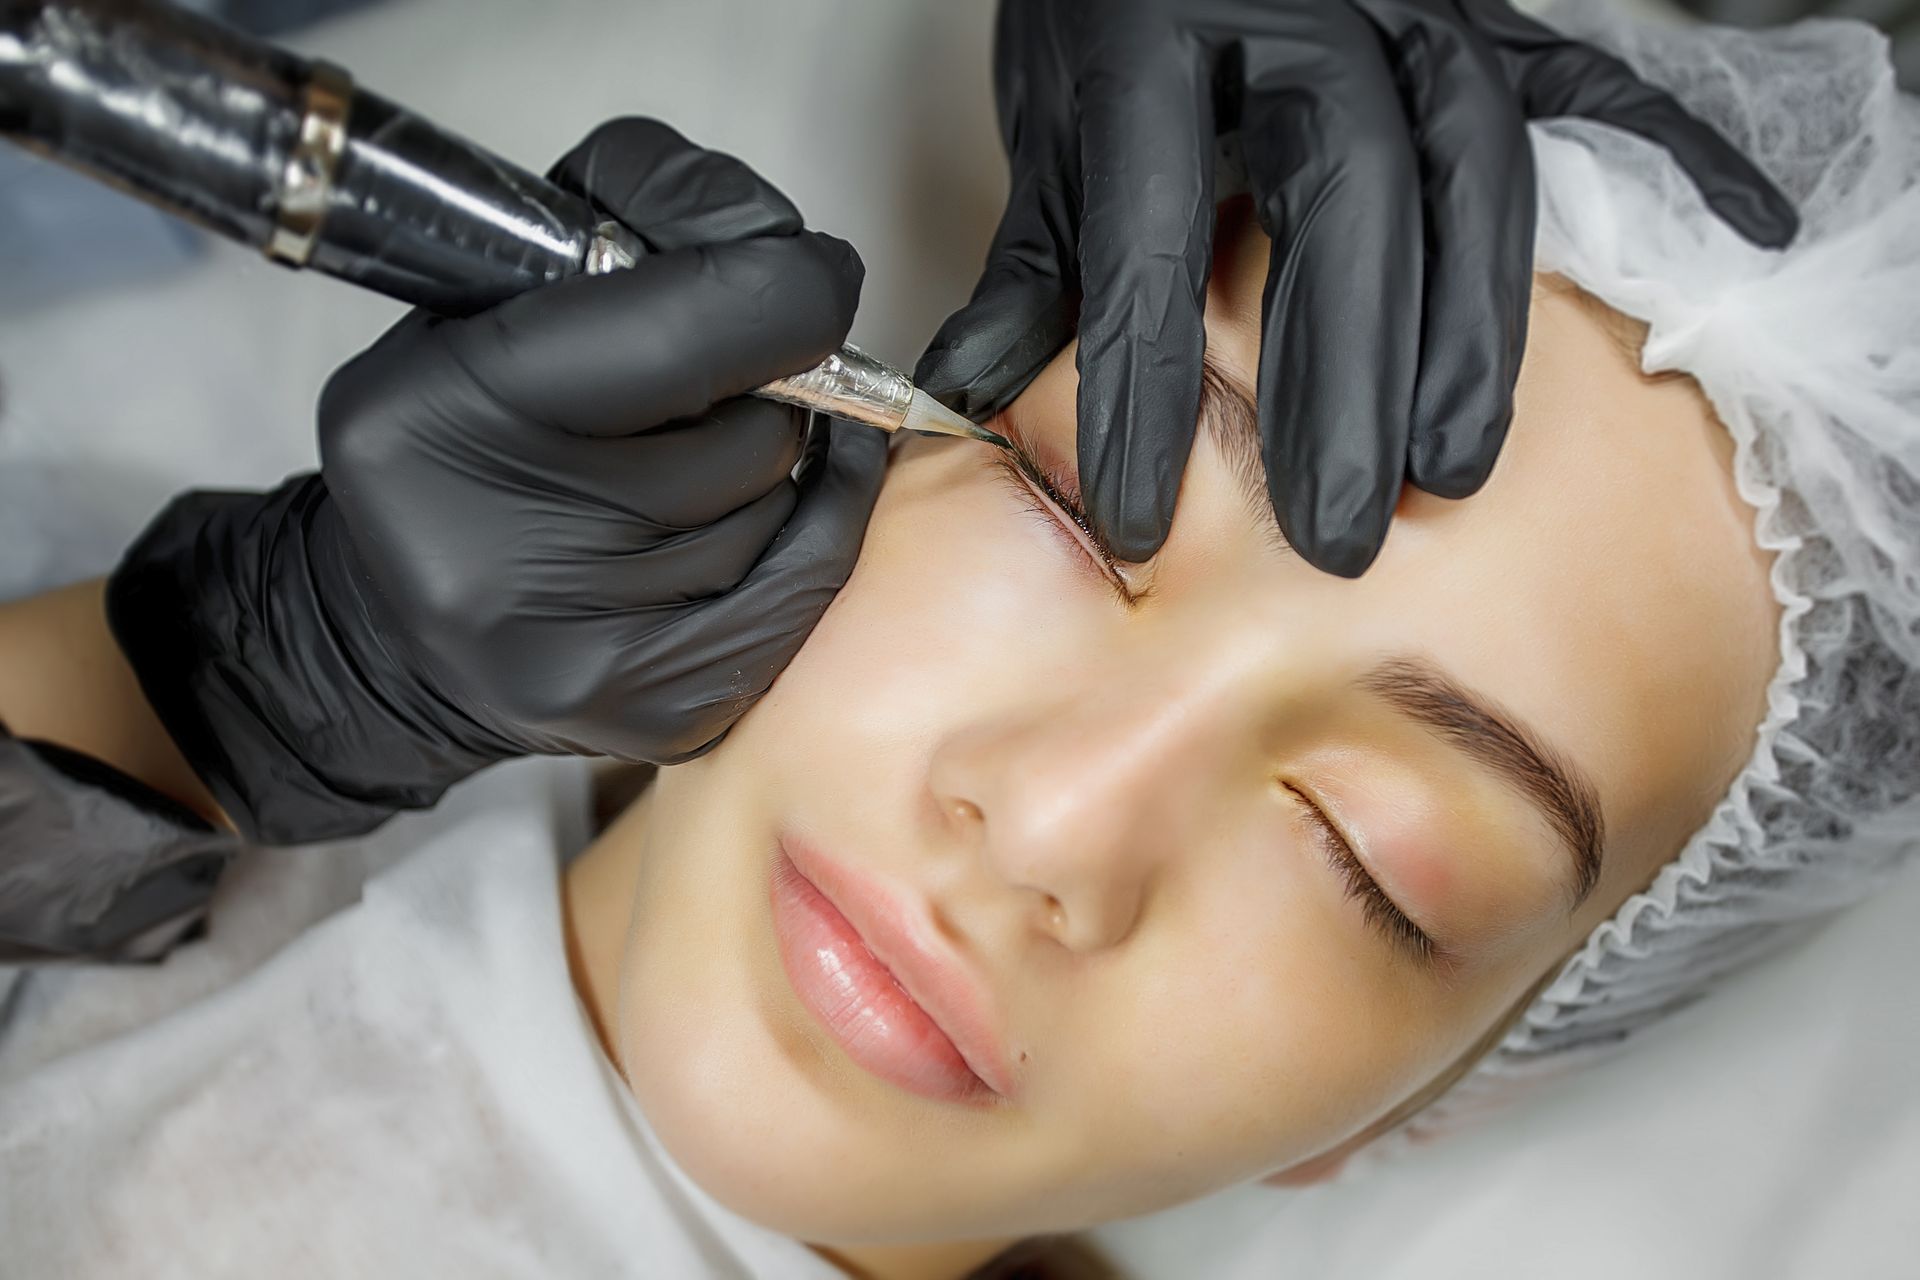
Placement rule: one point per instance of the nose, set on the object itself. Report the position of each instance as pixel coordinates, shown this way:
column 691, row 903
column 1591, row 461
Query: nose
column 1078, row 803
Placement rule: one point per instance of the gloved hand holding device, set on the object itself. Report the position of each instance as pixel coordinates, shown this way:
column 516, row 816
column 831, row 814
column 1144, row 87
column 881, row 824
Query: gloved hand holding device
column 543, row 528
column 1387, row 153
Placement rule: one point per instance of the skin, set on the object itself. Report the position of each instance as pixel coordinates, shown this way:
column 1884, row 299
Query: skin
column 1102, row 804
column 63, row 680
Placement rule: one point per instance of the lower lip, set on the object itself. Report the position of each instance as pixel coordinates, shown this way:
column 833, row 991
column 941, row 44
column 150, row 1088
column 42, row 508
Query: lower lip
column 858, row 1001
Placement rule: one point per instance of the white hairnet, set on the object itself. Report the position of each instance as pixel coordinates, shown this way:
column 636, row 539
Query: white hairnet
column 1811, row 357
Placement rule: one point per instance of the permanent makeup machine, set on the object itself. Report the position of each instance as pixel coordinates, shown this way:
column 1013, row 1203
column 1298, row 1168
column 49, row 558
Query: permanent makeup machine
column 285, row 154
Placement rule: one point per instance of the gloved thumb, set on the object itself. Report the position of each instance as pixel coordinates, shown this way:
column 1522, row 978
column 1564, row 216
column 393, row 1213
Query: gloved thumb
column 616, row 354
column 671, row 192
column 755, row 630
column 1023, row 310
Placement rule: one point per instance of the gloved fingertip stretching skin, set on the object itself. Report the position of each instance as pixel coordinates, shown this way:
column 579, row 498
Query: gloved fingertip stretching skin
column 1389, row 159
column 1027, row 303
column 554, row 526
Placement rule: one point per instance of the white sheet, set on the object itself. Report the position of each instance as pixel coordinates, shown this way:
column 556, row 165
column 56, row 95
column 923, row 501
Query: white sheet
column 1777, row 1134
column 407, row 1088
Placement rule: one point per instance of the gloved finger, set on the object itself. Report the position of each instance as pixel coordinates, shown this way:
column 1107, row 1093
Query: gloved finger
column 1477, row 191
column 693, row 474
column 1336, row 185
column 669, row 191
column 1556, row 76
column 665, row 339
column 1146, row 243
column 1022, row 311
column 596, row 562
column 571, row 653
column 383, row 427
column 701, row 563
column 756, row 629
column 663, row 482
column 1027, row 301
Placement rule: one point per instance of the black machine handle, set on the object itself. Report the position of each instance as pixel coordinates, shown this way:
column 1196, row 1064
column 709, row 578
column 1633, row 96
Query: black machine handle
column 264, row 147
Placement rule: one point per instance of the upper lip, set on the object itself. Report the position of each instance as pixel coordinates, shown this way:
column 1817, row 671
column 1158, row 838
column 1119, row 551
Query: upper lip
column 902, row 937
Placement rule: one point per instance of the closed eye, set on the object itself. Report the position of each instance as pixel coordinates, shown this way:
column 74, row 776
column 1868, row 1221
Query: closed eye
column 1380, row 910
column 1048, row 496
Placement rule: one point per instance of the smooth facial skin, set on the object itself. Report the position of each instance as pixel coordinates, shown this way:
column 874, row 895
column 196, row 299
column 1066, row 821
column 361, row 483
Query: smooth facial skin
column 1103, row 807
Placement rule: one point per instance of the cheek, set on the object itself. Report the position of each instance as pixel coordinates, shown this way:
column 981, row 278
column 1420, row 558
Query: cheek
column 935, row 622
column 1250, row 1029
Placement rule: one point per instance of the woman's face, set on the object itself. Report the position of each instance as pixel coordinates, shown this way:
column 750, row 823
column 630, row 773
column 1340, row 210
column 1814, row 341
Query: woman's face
column 1202, row 882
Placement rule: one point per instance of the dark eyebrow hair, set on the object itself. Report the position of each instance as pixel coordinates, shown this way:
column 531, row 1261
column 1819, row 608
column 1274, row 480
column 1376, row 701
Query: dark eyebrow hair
column 1570, row 802
column 1229, row 416
column 1563, row 794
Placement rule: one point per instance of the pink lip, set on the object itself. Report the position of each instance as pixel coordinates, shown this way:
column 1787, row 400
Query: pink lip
column 865, row 965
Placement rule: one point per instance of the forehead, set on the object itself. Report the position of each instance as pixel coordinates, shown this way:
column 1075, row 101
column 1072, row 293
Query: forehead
column 1605, row 583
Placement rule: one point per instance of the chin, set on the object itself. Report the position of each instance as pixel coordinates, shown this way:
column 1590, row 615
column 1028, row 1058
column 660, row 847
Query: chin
column 739, row 1088
column 778, row 1158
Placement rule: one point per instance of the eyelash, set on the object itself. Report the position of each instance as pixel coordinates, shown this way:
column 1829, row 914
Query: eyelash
column 1379, row 910
column 1021, row 471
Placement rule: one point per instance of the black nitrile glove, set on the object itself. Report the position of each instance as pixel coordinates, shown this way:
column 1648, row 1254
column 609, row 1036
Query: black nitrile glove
column 543, row 528
column 1387, row 154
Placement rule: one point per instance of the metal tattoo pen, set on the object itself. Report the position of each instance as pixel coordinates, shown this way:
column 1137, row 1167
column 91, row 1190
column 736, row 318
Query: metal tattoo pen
column 261, row 146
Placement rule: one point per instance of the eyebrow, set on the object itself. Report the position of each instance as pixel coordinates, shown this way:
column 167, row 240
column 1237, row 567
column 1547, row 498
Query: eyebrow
column 1231, row 419
column 1496, row 740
